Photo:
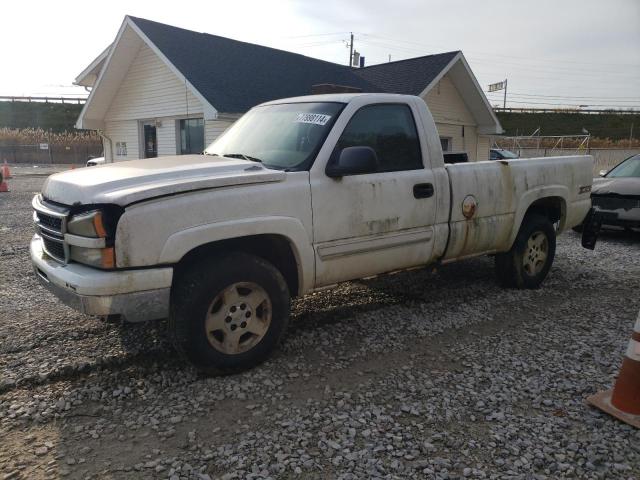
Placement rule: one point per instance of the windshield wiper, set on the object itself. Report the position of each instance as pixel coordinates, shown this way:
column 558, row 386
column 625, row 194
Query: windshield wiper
column 212, row 154
column 243, row 156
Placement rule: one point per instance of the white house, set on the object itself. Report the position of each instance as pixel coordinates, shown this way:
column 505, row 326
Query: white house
column 162, row 90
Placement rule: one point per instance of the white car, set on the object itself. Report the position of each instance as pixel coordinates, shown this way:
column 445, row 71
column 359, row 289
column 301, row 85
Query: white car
column 299, row 194
column 92, row 162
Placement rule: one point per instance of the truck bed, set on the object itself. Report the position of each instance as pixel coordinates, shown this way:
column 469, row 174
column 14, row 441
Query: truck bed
column 504, row 190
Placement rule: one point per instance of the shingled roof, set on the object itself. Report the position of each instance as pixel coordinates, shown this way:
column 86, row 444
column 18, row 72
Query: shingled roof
column 230, row 77
column 409, row 77
column 234, row 76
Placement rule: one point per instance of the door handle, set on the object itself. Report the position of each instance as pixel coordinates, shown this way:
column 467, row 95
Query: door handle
column 423, row 190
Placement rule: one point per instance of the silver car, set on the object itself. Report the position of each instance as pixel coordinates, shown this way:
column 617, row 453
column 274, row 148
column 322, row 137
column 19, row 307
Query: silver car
column 616, row 196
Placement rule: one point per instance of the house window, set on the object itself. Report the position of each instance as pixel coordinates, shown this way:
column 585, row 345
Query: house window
column 191, row 136
column 445, row 143
column 121, row 149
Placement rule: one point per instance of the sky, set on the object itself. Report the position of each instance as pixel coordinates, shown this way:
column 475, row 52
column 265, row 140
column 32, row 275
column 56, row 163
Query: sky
column 552, row 52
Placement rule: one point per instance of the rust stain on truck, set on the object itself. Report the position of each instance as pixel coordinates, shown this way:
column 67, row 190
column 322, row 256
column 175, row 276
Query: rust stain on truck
column 384, row 225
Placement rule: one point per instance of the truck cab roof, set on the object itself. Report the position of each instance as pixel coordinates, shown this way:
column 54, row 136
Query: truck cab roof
column 340, row 98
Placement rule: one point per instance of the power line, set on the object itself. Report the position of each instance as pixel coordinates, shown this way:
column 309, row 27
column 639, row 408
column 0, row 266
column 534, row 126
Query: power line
column 570, row 73
column 316, row 35
column 570, row 96
column 495, row 101
column 529, row 65
column 570, row 100
column 516, row 73
column 504, row 56
column 555, row 70
column 317, row 44
column 568, row 103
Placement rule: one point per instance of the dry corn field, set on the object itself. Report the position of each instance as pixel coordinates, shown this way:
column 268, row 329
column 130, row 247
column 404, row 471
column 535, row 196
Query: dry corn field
column 35, row 136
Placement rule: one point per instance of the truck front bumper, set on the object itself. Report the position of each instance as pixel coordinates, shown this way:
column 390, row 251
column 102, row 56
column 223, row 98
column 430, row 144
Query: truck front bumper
column 136, row 295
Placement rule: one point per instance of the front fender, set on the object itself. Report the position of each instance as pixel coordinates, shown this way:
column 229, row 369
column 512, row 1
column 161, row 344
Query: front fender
column 532, row 196
column 180, row 243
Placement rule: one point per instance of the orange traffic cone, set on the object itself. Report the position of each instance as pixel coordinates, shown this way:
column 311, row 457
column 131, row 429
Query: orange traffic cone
column 623, row 402
column 4, row 186
column 5, row 170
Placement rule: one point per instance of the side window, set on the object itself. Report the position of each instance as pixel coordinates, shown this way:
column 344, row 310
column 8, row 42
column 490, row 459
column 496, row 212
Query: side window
column 390, row 130
column 493, row 155
column 191, row 136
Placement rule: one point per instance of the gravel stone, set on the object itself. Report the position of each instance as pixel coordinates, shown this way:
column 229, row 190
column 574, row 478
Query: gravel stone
column 40, row 451
column 434, row 373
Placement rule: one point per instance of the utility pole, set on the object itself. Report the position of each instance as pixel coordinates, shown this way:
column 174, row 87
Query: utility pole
column 504, row 105
column 351, row 50
column 631, row 135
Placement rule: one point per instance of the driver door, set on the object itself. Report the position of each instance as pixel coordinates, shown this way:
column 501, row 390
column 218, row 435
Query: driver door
column 377, row 221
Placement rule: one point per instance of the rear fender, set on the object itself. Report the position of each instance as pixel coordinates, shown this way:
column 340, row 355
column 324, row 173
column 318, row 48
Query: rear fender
column 532, row 196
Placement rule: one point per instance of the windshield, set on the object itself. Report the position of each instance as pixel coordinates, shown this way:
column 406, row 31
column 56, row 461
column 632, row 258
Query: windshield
column 284, row 136
column 629, row 168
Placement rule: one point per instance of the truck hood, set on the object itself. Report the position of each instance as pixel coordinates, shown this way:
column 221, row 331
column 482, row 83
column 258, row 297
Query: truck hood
column 128, row 182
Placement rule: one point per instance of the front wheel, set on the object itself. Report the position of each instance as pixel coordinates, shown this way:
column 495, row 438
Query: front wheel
column 229, row 313
column 528, row 262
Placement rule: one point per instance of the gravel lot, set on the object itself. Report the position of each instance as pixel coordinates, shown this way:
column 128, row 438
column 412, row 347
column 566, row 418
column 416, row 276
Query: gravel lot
column 416, row 375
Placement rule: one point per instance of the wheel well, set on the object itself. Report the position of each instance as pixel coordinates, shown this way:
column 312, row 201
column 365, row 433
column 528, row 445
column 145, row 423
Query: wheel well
column 553, row 208
column 275, row 249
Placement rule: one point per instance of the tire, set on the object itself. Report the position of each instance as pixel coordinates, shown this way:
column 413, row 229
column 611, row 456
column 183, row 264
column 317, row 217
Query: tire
column 228, row 313
column 528, row 262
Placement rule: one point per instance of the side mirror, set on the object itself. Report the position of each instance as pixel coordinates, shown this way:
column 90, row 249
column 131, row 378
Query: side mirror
column 352, row 161
column 602, row 173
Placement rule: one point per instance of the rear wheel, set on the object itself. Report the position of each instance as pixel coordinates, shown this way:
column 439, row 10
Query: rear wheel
column 229, row 313
column 528, row 262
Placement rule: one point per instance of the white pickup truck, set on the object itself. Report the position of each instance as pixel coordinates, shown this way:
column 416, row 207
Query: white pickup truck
column 299, row 194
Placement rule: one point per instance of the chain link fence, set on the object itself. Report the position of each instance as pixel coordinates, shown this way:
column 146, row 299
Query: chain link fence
column 49, row 153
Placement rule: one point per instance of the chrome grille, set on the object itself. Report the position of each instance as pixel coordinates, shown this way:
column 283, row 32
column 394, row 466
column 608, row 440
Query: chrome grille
column 615, row 202
column 54, row 248
column 51, row 223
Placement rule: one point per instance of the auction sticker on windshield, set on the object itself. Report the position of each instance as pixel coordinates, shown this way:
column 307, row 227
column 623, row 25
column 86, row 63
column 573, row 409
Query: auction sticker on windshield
column 315, row 118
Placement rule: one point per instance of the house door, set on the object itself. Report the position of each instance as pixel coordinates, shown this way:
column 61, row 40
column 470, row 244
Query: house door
column 150, row 140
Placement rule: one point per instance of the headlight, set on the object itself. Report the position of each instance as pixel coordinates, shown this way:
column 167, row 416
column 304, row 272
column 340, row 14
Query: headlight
column 88, row 224
column 91, row 235
column 95, row 257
